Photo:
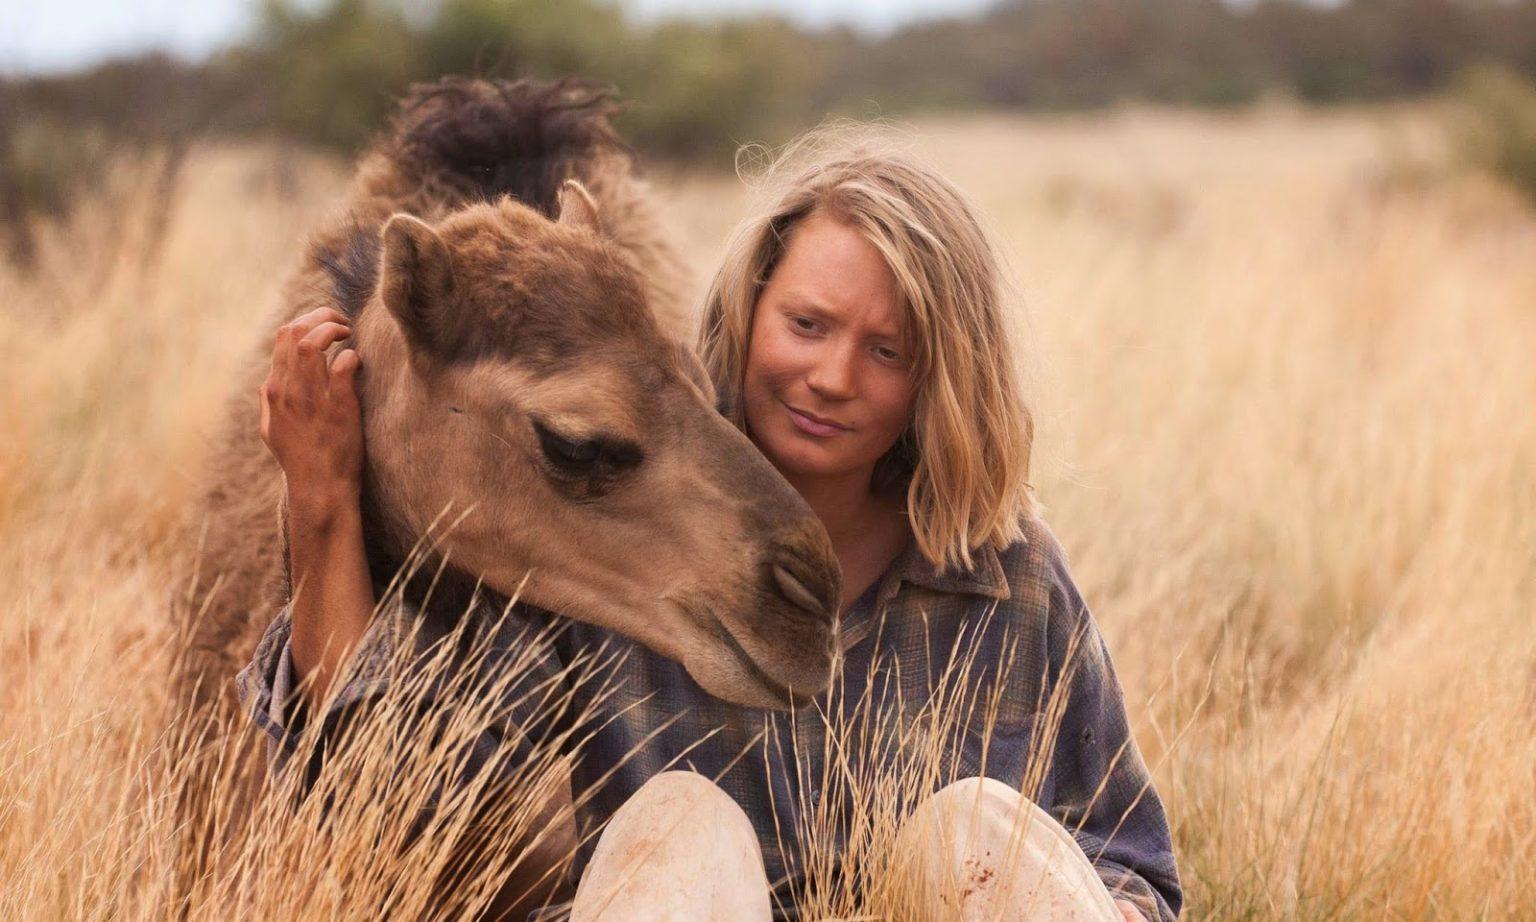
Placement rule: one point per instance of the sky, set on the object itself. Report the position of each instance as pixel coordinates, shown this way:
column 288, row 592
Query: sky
column 42, row 36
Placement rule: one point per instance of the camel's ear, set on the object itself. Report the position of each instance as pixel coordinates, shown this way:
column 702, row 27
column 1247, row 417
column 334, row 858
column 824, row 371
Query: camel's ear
column 417, row 280
column 577, row 209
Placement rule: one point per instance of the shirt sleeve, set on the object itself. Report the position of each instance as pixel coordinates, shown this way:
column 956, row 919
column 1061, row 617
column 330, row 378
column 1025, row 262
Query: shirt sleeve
column 265, row 688
column 1100, row 789
column 268, row 692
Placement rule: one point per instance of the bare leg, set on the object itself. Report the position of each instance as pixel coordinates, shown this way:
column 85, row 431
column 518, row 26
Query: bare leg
column 679, row 850
column 979, row 850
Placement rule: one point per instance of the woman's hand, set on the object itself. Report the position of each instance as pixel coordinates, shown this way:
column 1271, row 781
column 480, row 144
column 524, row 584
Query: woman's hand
column 311, row 421
column 310, row 418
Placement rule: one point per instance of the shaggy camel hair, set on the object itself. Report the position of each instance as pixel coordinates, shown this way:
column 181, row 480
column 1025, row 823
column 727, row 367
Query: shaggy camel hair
column 515, row 306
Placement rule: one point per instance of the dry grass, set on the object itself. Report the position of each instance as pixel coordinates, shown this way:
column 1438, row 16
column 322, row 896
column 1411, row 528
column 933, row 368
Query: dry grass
column 885, row 756
column 1285, row 369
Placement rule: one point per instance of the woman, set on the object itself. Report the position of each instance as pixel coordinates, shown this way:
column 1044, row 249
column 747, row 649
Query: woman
column 855, row 332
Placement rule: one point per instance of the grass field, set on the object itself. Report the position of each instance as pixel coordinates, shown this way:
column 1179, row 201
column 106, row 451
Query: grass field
column 1285, row 366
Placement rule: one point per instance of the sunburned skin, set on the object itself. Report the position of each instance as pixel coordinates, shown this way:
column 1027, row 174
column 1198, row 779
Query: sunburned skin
column 828, row 388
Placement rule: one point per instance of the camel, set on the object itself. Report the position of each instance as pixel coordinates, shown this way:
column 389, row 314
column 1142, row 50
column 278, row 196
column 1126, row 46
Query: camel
column 515, row 304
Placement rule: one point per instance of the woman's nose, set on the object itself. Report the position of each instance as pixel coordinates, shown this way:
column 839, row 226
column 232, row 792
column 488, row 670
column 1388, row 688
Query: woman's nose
column 835, row 376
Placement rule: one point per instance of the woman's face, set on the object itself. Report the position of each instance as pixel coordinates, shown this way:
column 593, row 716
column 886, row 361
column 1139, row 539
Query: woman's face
column 828, row 388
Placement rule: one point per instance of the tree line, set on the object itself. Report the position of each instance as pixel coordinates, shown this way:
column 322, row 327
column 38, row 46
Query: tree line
column 693, row 90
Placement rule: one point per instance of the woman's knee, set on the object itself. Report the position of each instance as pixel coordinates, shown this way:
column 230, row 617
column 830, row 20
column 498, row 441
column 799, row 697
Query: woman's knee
column 668, row 789
column 980, row 848
column 679, row 848
column 974, row 793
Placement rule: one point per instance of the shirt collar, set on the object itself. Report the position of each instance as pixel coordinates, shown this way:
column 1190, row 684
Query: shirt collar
column 985, row 576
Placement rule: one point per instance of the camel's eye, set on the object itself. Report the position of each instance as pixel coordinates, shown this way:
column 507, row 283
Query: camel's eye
column 573, row 455
column 586, row 457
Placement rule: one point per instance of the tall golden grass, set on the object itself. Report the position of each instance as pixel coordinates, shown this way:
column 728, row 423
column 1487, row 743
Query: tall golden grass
column 1284, row 367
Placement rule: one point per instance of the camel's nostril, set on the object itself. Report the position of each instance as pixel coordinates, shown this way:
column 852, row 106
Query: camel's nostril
column 796, row 591
column 801, row 568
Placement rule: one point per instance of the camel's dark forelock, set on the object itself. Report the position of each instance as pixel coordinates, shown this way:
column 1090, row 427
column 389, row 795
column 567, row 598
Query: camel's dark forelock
column 486, row 139
column 470, row 141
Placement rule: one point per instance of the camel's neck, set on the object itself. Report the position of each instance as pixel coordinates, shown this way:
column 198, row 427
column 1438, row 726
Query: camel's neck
column 432, row 589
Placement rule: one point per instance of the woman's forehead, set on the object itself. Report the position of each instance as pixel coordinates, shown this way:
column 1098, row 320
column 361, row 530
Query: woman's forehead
column 830, row 268
column 876, row 317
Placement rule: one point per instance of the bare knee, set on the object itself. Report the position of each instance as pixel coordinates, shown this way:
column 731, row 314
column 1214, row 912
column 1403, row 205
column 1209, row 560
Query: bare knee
column 969, row 792
column 679, row 848
column 689, row 798
column 978, row 848
column 684, row 785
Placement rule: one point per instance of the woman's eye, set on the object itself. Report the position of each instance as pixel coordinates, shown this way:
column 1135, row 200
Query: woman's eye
column 804, row 323
column 890, row 355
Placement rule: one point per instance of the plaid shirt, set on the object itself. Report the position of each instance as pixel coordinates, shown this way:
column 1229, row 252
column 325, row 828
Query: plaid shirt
column 1017, row 607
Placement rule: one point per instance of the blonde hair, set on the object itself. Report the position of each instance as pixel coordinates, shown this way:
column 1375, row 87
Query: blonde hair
column 964, row 459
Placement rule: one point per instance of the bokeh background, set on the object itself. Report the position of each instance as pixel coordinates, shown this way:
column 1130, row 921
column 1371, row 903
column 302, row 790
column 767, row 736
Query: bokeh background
column 1278, row 272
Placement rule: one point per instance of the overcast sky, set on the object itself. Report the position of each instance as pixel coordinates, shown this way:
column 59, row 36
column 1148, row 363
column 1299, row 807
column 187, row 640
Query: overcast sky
column 54, row 35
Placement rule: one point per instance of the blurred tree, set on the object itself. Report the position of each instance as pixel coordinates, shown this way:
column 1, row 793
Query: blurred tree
column 523, row 38
column 334, row 74
column 59, row 136
column 329, row 73
column 1495, row 123
column 700, row 89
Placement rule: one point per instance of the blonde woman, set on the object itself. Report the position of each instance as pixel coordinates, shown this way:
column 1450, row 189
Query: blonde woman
column 856, row 333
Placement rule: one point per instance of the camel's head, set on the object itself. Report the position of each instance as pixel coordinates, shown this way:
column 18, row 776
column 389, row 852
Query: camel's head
column 516, row 370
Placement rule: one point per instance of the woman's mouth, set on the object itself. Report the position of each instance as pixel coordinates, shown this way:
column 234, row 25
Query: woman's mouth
column 812, row 425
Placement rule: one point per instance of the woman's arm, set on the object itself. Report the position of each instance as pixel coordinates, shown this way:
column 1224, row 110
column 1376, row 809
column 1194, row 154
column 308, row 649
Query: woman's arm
column 332, row 592
column 1103, row 793
column 311, row 421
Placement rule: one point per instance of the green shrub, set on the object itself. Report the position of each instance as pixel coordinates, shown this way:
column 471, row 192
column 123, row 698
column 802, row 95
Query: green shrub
column 1495, row 125
column 45, row 164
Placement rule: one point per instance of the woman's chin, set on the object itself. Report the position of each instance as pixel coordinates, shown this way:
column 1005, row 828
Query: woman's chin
column 800, row 462
column 799, row 455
